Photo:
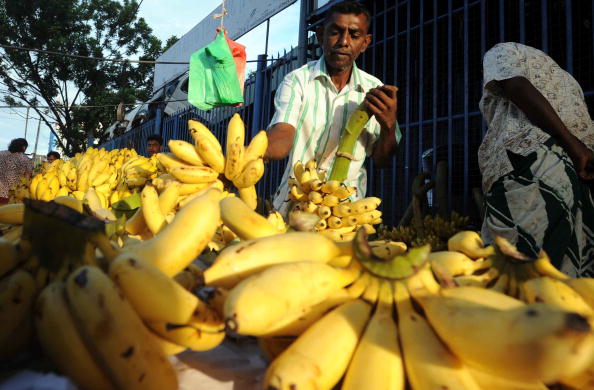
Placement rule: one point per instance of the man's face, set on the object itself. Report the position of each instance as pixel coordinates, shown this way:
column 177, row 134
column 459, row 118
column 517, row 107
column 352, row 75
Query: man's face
column 343, row 37
column 153, row 147
column 51, row 158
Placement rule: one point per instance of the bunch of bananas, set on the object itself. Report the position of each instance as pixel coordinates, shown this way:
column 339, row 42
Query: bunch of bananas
column 432, row 230
column 339, row 217
column 101, row 177
column 107, row 317
column 20, row 190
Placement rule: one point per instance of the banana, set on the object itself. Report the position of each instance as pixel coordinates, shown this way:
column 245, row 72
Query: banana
column 483, row 296
column 556, row 293
column 448, row 264
column 584, row 287
column 377, row 362
column 115, row 335
column 170, row 161
column 197, row 129
column 310, row 364
column 365, row 205
column 371, row 292
column 185, row 151
column 151, row 211
column 17, row 295
column 178, row 244
column 210, row 151
column 257, row 147
column 357, row 288
column 330, row 200
column 135, row 224
column 342, row 210
column 204, row 331
column 247, row 258
column 271, row 347
column 547, row 342
column 187, row 189
column 8, row 255
column 169, row 197
column 344, row 192
column 428, row 362
column 62, row 343
column 264, row 299
column 195, row 174
column 295, row 323
column 243, row 221
column 334, row 222
column 492, row 382
column 387, row 249
column 252, row 172
column 154, row 295
column 276, row 219
column 249, row 196
column 470, row 243
column 544, row 267
column 234, row 147
column 33, row 186
column 296, row 194
column 12, row 214
column 167, row 347
column 324, row 212
column 330, row 186
column 18, row 340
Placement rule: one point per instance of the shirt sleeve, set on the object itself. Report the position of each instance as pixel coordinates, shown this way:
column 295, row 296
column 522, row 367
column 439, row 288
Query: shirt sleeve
column 287, row 102
column 503, row 61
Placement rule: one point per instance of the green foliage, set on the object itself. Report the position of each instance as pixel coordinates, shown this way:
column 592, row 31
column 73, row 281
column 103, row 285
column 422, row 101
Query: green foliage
column 98, row 28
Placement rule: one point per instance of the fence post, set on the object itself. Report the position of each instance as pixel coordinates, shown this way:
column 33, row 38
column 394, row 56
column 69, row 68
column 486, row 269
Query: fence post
column 158, row 116
column 258, row 95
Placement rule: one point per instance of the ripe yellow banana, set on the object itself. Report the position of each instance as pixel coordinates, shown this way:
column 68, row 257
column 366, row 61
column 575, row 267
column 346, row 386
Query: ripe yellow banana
column 365, row 205
column 246, row 258
column 185, row 151
column 249, row 196
column 377, row 363
column 544, row 267
column 153, row 217
column 210, row 151
column 12, row 214
column 154, row 295
column 62, row 343
column 17, row 295
column 371, row 292
column 169, row 197
column 257, row 146
column 483, row 296
column 556, row 293
column 448, row 264
column 264, row 299
column 115, row 335
column 195, row 174
column 561, row 338
column 330, row 200
column 310, row 364
column 344, row 192
column 135, row 224
column 169, row 161
column 357, row 288
column 234, row 147
column 252, row 172
column 342, row 210
column 178, row 244
column 429, row 363
column 387, row 249
column 198, row 129
column 470, row 243
column 243, row 221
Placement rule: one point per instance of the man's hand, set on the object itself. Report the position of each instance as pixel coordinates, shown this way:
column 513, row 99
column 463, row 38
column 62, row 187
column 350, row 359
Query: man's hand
column 382, row 102
column 582, row 157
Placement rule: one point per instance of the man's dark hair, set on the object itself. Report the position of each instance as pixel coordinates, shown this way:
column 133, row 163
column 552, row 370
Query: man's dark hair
column 18, row 145
column 155, row 137
column 349, row 7
column 55, row 154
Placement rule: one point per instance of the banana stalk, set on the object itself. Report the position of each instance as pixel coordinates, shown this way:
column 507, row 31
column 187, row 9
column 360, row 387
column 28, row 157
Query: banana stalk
column 346, row 146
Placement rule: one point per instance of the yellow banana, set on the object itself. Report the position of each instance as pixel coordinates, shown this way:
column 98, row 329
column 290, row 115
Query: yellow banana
column 330, row 200
column 169, row 197
column 62, row 343
column 387, row 249
column 470, row 243
column 544, row 267
column 344, row 192
column 246, row 258
column 178, row 244
column 234, row 161
column 342, row 210
column 135, row 224
column 243, row 221
column 194, row 174
column 556, row 293
column 264, row 299
column 210, row 151
column 185, row 151
column 309, row 364
column 187, row 189
column 483, row 296
column 257, row 147
column 365, row 205
column 296, row 194
column 17, row 295
column 154, row 295
column 33, row 186
column 330, row 186
column 448, row 264
column 198, row 129
column 371, row 292
column 120, row 342
column 377, row 363
column 9, row 256
column 252, row 172
column 12, row 214
column 170, row 161
column 249, row 196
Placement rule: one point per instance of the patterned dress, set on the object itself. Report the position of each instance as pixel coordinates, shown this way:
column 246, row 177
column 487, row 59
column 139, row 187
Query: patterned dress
column 12, row 167
column 534, row 196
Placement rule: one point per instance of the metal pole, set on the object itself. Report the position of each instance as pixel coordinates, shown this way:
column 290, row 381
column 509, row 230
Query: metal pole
column 302, row 51
column 259, row 94
column 26, row 121
column 267, row 35
column 37, row 138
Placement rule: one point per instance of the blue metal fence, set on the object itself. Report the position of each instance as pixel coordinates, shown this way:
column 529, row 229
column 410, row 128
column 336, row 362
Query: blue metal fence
column 432, row 50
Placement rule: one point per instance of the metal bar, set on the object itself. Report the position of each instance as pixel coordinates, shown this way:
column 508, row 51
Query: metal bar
column 450, row 96
column 259, row 93
column 522, row 12
column 466, row 135
column 421, row 85
column 37, row 138
column 569, row 37
column 434, row 98
column 501, row 21
column 394, row 161
column 267, row 35
column 483, row 50
column 544, row 15
column 26, row 121
column 407, row 113
column 384, row 73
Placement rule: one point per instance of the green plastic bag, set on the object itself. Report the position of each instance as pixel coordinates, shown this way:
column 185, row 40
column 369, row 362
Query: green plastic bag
column 213, row 76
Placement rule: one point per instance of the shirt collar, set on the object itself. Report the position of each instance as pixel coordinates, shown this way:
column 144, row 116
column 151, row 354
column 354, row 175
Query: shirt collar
column 319, row 71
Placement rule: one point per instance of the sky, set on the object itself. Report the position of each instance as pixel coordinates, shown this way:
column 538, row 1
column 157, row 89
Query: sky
column 166, row 18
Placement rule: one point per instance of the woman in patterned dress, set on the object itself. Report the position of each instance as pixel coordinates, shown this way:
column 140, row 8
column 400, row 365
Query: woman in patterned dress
column 13, row 164
column 536, row 156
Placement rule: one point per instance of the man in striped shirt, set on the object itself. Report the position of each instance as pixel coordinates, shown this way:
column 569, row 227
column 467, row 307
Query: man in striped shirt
column 314, row 102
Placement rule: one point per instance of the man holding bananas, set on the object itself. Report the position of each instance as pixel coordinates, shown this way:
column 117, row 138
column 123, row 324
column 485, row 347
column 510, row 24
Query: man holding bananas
column 314, row 102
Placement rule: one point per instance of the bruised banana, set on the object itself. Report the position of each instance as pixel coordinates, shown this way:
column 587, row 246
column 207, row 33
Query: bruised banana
column 124, row 347
column 257, row 146
column 210, row 151
column 195, row 174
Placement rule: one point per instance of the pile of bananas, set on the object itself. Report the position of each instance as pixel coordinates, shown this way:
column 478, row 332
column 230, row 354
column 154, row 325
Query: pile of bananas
column 339, row 217
column 20, row 190
column 107, row 317
column 101, row 177
column 432, row 230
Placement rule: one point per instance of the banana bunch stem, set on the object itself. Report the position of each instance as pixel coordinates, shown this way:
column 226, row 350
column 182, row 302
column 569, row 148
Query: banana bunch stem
column 49, row 225
column 346, row 146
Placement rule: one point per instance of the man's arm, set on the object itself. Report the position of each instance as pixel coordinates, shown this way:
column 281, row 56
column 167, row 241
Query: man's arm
column 382, row 102
column 537, row 108
column 280, row 141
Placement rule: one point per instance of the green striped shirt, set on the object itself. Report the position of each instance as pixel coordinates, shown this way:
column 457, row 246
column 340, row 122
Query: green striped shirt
column 309, row 101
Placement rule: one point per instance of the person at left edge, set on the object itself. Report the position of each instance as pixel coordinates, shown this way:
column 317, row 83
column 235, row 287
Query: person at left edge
column 154, row 144
column 13, row 164
column 314, row 102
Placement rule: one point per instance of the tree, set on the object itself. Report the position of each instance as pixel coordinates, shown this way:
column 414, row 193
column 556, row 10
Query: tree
column 61, row 88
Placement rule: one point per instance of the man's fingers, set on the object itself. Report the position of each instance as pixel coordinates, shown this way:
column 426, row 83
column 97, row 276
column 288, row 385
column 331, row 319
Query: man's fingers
column 373, row 100
column 389, row 90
